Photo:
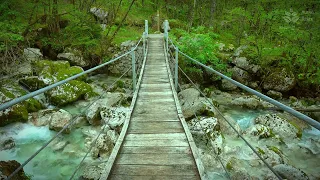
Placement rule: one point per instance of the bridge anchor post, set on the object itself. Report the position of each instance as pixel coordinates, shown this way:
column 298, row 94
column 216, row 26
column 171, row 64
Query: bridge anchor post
column 176, row 69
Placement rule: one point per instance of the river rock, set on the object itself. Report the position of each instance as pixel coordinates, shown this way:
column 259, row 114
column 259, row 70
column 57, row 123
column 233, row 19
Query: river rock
column 191, row 102
column 247, row 102
column 60, row 119
column 8, row 167
column 10, row 90
column 260, row 131
column 93, row 112
column 228, row 86
column 113, row 136
column 42, row 117
column 279, row 126
column 32, row 54
column 280, row 80
column 274, row 94
column 92, row 171
column 241, row 75
column 74, row 59
column 102, row 147
column 7, row 143
column 289, row 172
column 79, row 122
column 69, row 92
column 114, row 116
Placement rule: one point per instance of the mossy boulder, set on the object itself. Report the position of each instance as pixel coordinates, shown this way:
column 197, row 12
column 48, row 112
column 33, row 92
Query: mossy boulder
column 66, row 73
column 55, row 66
column 280, row 80
column 69, row 92
column 19, row 112
column 49, row 72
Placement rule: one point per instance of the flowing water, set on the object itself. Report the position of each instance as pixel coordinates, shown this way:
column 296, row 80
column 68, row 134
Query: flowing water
column 303, row 154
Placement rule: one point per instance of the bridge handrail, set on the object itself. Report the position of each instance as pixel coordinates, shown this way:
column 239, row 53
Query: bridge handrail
column 288, row 109
column 47, row 88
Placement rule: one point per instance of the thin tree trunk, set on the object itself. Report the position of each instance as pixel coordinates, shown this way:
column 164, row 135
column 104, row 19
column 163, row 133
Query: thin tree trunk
column 212, row 10
column 122, row 21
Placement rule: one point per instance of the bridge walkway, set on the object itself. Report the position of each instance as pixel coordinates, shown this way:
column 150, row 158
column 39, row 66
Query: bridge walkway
column 156, row 145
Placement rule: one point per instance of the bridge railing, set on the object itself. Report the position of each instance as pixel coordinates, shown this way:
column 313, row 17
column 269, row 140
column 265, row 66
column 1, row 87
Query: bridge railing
column 176, row 68
column 13, row 102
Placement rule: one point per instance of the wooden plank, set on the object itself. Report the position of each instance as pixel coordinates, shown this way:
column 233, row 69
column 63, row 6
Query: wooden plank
column 156, row 150
column 156, row 93
column 157, row 142
column 167, row 100
column 138, row 137
column 160, row 116
column 138, row 170
column 156, row 131
column 154, row 125
column 165, row 177
column 155, row 159
column 162, row 85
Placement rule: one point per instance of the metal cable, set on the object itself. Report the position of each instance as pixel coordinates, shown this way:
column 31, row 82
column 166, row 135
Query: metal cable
column 202, row 129
column 288, row 109
column 248, row 144
column 63, row 129
column 101, row 130
column 32, row 94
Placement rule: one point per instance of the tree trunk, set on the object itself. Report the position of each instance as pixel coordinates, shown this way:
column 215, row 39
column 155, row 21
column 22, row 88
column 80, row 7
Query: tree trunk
column 212, row 10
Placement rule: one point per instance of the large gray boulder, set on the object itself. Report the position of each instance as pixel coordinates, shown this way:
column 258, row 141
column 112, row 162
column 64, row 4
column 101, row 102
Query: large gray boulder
column 247, row 102
column 280, row 80
column 278, row 125
column 243, row 63
column 227, row 86
column 60, row 119
column 241, row 75
column 93, row 113
column 42, row 117
column 114, row 116
column 289, row 172
column 191, row 102
column 74, row 59
column 32, row 54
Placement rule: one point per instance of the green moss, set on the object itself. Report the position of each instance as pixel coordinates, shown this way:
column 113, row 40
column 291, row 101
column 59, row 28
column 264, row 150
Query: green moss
column 261, row 151
column 55, row 66
column 120, row 84
column 68, row 92
column 32, row 105
column 16, row 113
column 275, row 149
column 229, row 165
column 66, row 73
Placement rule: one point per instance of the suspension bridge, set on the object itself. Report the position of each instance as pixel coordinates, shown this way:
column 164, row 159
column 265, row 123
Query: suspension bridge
column 155, row 142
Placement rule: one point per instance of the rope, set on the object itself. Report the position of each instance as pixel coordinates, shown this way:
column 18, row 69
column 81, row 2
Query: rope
column 63, row 129
column 248, row 144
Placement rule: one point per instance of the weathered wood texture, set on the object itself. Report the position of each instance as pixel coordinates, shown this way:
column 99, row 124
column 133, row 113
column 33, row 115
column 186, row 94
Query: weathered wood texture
column 155, row 145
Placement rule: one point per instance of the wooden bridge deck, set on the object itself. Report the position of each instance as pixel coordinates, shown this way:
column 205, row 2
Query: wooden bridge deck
column 157, row 144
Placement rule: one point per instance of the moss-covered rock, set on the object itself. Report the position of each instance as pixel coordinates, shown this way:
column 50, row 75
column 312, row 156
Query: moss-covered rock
column 280, row 80
column 66, row 73
column 19, row 112
column 55, row 66
column 68, row 92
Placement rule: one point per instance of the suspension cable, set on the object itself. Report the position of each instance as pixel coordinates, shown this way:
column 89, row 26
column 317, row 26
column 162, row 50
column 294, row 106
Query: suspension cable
column 92, row 144
column 216, row 154
column 63, row 129
column 248, row 144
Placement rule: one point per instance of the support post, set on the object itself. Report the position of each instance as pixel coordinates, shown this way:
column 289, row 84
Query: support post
column 166, row 27
column 146, row 27
column 134, row 81
column 144, row 44
column 176, row 69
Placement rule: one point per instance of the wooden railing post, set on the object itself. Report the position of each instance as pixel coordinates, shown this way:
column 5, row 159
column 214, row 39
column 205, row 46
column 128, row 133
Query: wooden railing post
column 176, row 69
column 134, row 81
